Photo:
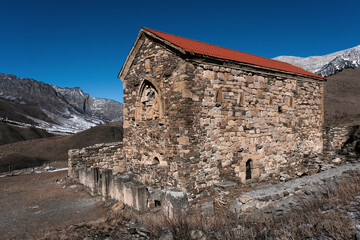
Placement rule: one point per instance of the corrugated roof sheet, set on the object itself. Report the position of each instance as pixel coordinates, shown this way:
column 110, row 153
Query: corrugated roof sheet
column 198, row 47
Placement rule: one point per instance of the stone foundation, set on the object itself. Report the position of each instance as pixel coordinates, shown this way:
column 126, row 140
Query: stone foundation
column 125, row 188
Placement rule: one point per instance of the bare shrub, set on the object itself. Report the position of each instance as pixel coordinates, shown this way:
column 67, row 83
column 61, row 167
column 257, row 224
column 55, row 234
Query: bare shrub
column 325, row 214
column 321, row 215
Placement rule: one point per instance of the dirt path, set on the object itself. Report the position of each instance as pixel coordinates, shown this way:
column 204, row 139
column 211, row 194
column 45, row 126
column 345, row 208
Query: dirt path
column 31, row 204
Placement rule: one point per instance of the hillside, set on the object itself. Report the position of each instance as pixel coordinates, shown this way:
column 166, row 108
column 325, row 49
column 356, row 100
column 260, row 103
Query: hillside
column 66, row 110
column 341, row 95
column 22, row 113
column 105, row 109
column 35, row 152
column 12, row 133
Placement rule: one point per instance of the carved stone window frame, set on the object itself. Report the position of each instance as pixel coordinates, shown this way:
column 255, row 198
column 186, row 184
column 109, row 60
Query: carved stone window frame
column 138, row 106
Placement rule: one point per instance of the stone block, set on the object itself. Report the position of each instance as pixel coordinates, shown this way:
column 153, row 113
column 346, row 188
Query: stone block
column 135, row 195
column 235, row 206
column 173, row 202
column 183, row 140
column 248, row 207
column 245, row 198
column 207, row 207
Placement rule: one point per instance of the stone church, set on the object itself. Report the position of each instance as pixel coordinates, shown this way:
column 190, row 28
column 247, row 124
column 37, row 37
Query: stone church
column 201, row 117
column 197, row 114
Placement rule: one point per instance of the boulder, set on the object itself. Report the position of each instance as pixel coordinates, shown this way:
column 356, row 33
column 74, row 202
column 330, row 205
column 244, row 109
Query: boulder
column 173, row 202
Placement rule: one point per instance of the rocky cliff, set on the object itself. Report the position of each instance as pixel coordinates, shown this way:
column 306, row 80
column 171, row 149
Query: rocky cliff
column 105, row 109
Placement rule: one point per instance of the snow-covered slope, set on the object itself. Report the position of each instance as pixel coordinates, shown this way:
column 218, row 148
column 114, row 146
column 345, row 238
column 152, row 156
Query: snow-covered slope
column 328, row 64
column 104, row 109
column 70, row 110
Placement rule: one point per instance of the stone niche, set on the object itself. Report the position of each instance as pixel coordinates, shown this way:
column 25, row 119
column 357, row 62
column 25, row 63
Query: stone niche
column 249, row 169
column 149, row 105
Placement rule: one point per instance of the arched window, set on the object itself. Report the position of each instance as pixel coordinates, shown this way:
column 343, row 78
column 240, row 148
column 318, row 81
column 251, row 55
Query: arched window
column 149, row 105
column 271, row 101
column 248, row 169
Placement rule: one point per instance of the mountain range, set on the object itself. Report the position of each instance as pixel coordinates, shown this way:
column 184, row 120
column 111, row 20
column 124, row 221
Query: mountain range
column 27, row 102
column 326, row 65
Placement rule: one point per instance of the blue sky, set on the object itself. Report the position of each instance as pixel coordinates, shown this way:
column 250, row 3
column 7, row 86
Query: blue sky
column 84, row 43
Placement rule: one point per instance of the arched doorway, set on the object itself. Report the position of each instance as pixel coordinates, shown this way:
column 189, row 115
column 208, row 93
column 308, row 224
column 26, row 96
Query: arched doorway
column 248, row 169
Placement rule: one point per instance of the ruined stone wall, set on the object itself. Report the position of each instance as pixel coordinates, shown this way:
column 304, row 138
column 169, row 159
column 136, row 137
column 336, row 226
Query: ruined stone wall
column 274, row 121
column 335, row 139
column 160, row 115
column 103, row 156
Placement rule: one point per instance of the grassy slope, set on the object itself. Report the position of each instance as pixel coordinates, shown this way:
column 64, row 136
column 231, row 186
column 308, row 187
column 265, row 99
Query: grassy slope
column 341, row 95
column 19, row 112
column 34, row 152
column 12, row 133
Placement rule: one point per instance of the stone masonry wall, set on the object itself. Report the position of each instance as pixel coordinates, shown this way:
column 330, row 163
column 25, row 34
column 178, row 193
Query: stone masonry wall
column 274, row 121
column 103, row 156
column 160, row 139
column 337, row 139
column 190, row 124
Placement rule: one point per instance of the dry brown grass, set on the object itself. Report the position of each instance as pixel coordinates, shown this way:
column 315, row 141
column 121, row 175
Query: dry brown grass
column 36, row 152
column 323, row 215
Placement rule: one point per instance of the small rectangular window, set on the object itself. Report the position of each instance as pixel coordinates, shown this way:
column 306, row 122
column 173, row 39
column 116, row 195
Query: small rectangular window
column 219, row 97
column 241, row 99
column 291, row 102
column 271, row 101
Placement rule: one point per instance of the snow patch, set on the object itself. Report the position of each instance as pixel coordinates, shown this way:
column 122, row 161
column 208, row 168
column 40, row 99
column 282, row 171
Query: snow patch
column 328, row 64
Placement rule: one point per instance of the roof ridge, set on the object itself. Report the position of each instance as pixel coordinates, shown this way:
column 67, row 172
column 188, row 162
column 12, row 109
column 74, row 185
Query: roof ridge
column 210, row 44
column 195, row 40
column 209, row 49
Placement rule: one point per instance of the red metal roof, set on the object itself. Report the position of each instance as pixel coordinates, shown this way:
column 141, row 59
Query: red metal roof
column 189, row 45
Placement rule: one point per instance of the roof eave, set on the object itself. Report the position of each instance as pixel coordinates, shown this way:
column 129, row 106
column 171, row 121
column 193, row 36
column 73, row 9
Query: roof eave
column 139, row 41
column 180, row 49
column 136, row 46
column 262, row 67
column 319, row 78
column 130, row 58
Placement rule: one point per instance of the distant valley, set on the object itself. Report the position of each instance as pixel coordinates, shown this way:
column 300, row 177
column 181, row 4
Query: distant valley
column 27, row 102
column 33, row 114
